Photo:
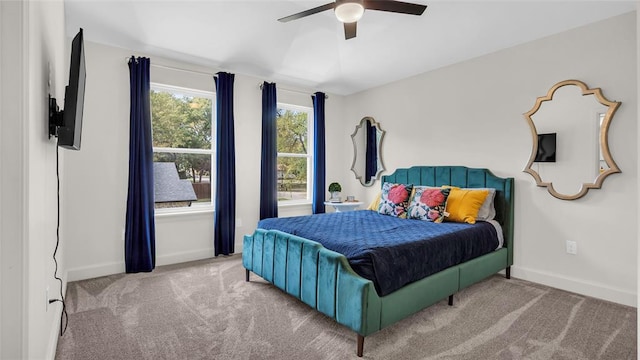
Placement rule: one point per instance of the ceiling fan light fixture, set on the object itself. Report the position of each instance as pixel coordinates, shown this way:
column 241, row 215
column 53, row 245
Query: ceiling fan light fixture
column 349, row 12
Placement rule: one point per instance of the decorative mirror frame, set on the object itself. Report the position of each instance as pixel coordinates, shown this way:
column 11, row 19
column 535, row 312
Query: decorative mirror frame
column 378, row 150
column 603, row 136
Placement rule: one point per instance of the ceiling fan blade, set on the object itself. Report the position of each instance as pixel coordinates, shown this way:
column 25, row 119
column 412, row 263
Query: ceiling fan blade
column 308, row 12
column 395, row 6
column 350, row 30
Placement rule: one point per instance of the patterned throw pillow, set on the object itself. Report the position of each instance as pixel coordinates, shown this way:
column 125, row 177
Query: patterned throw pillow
column 429, row 204
column 394, row 199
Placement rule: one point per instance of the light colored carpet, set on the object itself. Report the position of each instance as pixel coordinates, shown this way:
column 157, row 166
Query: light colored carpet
column 205, row 310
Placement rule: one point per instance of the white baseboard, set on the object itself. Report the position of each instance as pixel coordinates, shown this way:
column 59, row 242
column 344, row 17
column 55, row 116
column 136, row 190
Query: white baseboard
column 578, row 286
column 53, row 335
column 94, row 271
column 184, row 256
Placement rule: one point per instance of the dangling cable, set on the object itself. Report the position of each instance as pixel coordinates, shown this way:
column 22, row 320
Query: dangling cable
column 64, row 317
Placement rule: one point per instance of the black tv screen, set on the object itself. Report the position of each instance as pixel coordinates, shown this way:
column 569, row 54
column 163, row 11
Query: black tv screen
column 69, row 133
column 546, row 148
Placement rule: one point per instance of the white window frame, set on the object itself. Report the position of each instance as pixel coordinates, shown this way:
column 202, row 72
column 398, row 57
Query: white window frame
column 308, row 155
column 195, row 206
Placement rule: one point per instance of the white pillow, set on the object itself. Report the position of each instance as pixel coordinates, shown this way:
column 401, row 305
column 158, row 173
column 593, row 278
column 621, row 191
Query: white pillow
column 487, row 210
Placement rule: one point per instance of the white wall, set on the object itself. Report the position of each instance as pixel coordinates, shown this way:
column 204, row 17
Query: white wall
column 96, row 176
column 48, row 62
column 33, row 40
column 471, row 114
column 12, row 87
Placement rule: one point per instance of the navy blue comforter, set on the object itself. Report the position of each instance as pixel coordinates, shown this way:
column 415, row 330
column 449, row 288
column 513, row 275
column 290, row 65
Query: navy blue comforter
column 389, row 251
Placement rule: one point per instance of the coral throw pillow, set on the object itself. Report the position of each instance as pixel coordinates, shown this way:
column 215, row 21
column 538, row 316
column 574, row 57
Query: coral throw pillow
column 428, row 204
column 394, row 199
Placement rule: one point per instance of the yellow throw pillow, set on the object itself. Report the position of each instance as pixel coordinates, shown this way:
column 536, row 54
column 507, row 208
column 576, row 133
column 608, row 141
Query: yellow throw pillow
column 375, row 204
column 463, row 204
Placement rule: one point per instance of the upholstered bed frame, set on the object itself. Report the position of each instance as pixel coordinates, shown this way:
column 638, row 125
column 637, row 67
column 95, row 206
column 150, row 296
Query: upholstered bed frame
column 324, row 280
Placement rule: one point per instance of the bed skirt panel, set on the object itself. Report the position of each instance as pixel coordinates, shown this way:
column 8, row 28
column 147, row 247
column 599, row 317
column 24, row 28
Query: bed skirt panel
column 418, row 295
column 482, row 267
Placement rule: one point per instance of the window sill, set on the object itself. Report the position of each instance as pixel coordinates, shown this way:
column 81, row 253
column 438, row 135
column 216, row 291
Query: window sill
column 183, row 211
column 292, row 204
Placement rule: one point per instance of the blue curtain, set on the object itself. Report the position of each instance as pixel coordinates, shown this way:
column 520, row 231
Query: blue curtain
column 371, row 153
column 318, row 154
column 140, row 238
column 269, row 170
column 224, row 220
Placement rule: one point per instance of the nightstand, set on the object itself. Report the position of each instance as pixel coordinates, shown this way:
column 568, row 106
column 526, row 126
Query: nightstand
column 344, row 206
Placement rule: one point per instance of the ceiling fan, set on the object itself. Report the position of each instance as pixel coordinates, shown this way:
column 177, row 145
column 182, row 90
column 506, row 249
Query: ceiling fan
column 350, row 11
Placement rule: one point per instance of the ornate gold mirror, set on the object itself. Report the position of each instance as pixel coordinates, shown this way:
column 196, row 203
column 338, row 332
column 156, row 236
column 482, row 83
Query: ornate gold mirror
column 367, row 156
column 569, row 128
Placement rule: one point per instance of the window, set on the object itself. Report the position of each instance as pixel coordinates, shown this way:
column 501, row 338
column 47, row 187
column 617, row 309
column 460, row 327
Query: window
column 295, row 149
column 182, row 123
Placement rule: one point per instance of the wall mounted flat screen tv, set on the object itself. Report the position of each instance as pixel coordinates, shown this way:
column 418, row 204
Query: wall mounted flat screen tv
column 546, row 148
column 67, row 124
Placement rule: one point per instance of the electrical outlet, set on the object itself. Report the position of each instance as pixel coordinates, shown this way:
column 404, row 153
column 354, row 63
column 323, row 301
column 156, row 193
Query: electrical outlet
column 572, row 247
column 238, row 222
column 46, row 299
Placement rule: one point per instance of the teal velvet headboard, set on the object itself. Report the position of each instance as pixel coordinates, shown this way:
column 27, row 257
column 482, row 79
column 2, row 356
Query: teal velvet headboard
column 462, row 176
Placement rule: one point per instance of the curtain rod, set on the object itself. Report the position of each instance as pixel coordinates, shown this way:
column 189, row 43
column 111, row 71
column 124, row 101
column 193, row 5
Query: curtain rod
column 178, row 69
column 291, row 90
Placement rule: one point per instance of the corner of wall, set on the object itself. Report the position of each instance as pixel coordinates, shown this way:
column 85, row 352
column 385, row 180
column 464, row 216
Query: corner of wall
column 638, row 136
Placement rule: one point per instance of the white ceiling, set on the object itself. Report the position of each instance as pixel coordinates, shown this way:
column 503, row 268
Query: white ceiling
column 244, row 37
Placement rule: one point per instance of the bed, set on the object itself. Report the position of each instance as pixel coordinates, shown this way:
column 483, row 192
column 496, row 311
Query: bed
column 326, row 281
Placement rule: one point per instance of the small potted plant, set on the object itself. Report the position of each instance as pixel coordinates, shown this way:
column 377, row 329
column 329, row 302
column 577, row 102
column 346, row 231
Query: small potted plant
column 335, row 189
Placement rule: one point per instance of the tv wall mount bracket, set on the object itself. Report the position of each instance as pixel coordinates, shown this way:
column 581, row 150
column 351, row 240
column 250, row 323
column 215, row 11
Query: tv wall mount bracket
column 56, row 117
